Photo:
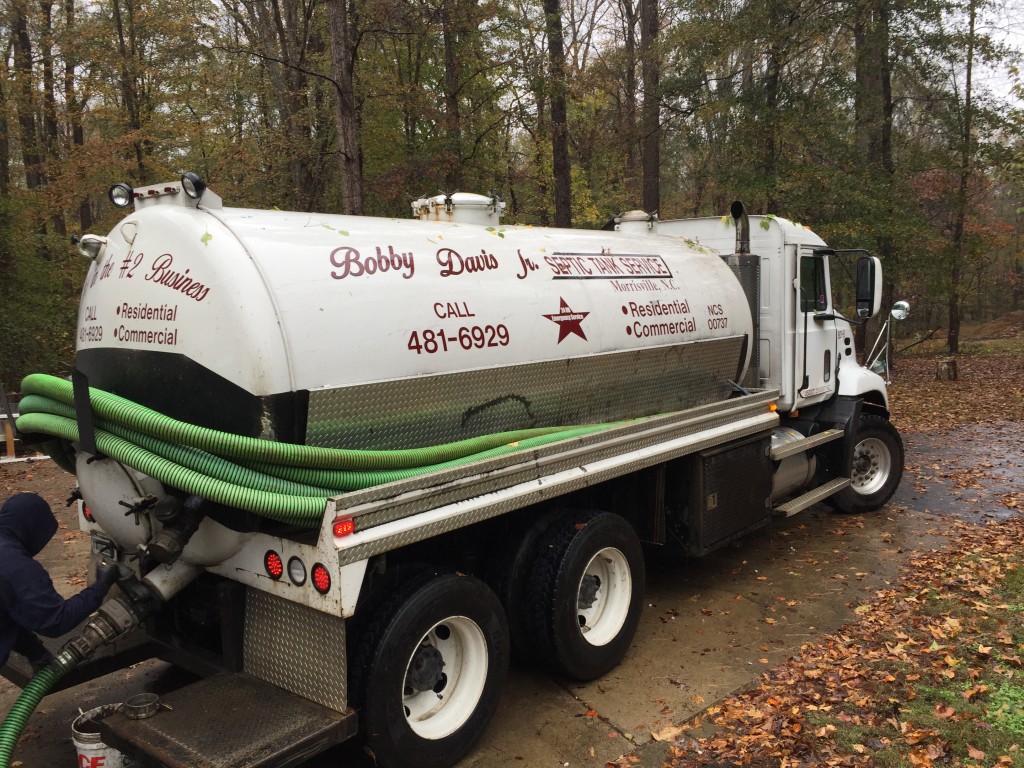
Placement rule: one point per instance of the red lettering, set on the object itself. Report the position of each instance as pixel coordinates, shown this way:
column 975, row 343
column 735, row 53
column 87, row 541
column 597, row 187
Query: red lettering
column 350, row 263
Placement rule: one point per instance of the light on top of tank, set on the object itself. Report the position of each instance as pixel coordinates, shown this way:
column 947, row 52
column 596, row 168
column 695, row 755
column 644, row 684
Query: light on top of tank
column 120, row 194
column 193, row 185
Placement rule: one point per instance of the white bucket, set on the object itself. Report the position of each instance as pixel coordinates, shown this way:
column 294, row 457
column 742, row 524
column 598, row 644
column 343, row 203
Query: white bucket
column 85, row 735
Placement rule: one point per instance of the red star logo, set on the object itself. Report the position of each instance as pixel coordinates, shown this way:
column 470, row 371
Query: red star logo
column 568, row 321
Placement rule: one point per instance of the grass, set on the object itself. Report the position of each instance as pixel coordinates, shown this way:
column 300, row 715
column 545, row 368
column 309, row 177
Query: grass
column 968, row 707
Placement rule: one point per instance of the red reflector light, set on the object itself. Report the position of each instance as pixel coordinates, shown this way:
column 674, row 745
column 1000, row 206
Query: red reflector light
column 87, row 513
column 344, row 526
column 274, row 564
column 321, row 578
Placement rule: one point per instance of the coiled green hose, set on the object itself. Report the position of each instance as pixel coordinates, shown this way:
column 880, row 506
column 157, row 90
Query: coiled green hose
column 29, row 699
column 282, row 481
column 121, row 411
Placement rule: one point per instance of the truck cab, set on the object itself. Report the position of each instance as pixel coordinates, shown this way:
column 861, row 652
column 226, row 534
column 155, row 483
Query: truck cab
column 805, row 347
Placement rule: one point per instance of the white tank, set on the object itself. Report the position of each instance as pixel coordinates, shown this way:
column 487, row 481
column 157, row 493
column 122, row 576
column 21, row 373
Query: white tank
column 385, row 333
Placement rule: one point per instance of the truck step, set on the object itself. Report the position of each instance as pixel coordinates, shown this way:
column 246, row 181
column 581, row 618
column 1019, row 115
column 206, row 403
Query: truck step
column 230, row 721
column 800, row 503
column 806, row 444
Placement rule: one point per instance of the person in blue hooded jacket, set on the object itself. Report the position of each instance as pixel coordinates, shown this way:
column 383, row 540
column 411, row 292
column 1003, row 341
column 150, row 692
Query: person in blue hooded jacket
column 28, row 601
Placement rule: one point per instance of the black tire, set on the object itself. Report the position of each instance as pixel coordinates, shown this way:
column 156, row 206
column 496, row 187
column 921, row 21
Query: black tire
column 428, row 670
column 582, row 627
column 508, row 573
column 876, row 468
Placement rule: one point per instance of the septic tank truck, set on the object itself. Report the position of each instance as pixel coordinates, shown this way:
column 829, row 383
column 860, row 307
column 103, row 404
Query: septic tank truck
column 350, row 464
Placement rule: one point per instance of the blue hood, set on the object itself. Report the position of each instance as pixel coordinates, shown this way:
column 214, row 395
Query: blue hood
column 27, row 519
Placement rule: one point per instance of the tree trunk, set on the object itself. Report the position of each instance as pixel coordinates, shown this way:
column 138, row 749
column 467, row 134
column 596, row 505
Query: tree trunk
column 450, row 29
column 873, row 120
column 960, row 222
column 25, row 103
column 346, row 119
column 5, row 144
column 51, row 139
column 628, row 129
column 75, row 108
column 650, row 141
column 772, row 81
column 559, row 124
column 538, row 161
column 129, row 93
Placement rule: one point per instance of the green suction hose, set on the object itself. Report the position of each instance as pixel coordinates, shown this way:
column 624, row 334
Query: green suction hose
column 121, row 411
column 29, row 699
column 282, row 481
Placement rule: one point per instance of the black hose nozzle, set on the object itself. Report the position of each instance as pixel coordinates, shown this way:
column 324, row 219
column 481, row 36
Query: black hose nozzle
column 114, row 619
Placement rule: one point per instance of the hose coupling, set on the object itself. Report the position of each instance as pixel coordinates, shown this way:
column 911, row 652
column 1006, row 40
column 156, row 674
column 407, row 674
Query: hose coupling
column 114, row 619
column 177, row 530
column 67, row 658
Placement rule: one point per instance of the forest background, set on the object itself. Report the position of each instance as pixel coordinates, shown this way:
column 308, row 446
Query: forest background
column 892, row 125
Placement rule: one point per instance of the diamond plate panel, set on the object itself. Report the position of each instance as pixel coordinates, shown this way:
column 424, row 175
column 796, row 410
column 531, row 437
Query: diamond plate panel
column 217, row 723
column 600, row 388
column 296, row 648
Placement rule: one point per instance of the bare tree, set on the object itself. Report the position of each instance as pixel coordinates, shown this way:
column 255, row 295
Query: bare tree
column 559, row 121
column 650, row 139
column 346, row 119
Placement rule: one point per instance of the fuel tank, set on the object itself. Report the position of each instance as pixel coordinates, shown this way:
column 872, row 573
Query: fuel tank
column 364, row 332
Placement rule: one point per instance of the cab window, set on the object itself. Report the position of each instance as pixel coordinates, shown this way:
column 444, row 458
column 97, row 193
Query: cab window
column 813, row 296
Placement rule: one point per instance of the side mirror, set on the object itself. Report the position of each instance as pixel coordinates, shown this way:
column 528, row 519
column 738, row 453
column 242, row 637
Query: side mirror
column 900, row 310
column 869, row 287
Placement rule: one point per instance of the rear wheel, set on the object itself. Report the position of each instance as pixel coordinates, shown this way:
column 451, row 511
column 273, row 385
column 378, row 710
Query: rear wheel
column 876, row 468
column 429, row 671
column 586, row 593
column 509, row 569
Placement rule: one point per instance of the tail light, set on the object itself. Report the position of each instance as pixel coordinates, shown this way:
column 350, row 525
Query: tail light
column 321, row 578
column 273, row 564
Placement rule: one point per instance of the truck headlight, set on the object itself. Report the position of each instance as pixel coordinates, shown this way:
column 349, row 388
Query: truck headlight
column 121, row 195
column 193, row 185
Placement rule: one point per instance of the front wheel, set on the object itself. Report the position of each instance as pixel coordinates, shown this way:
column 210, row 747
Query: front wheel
column 876, row 468
column 430, row 670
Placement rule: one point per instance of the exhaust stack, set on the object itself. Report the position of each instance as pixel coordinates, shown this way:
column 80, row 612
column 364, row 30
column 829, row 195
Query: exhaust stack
column 739, row 215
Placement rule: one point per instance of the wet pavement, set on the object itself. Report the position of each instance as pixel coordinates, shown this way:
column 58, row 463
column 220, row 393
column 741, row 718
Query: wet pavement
column 710, row 626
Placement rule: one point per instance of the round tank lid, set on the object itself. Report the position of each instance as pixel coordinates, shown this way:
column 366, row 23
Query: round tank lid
column 465, row 201
column 636, row 215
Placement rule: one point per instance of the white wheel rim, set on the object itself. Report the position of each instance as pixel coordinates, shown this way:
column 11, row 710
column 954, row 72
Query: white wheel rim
column 601, row 615
column 872, row 465
column 439, row 712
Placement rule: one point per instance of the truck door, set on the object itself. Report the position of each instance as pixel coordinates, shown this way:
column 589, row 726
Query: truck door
column 816, row 353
